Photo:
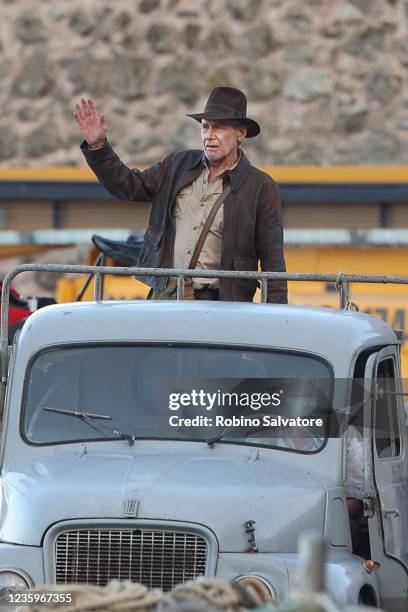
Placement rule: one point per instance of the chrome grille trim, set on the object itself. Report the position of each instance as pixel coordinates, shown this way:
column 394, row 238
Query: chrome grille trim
column 158, row 558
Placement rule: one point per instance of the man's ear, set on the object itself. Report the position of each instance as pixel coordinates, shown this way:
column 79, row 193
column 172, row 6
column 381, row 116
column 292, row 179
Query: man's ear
column 242, row 133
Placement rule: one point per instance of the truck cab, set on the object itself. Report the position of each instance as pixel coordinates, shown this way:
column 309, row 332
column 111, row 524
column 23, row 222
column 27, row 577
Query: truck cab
column 108, row 470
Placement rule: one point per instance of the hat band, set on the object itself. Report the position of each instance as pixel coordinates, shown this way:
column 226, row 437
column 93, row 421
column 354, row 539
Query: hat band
column 220, row 108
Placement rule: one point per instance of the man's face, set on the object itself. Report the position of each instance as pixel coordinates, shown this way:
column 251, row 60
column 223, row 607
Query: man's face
column 220, row 138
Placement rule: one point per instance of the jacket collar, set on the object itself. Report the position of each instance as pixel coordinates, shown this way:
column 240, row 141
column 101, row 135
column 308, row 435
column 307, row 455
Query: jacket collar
column 236, row 176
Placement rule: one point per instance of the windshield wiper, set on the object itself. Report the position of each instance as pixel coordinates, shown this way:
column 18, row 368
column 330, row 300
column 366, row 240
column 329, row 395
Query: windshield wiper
column 83, row 415
column 86, row 417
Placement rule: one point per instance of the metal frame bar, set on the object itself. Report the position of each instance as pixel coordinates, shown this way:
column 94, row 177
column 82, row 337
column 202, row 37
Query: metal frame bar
column 57, row 220
column 100, row 261
column 316, row 237
column 384, row 209
column 298, row 192
column 341, row 280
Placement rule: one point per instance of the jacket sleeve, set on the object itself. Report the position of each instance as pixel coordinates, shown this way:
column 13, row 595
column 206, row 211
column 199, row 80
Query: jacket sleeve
column 121, row 181
column 269, row 240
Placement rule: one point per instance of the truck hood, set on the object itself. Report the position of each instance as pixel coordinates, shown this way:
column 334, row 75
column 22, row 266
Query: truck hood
column 219, row 488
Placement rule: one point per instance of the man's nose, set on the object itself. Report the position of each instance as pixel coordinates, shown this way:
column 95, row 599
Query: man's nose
column 210, row 132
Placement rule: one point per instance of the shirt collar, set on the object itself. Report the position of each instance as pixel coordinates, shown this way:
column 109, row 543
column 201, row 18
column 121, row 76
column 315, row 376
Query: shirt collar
column 236, row 175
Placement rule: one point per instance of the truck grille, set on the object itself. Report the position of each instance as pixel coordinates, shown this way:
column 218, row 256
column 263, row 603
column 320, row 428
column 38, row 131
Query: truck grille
column 156, row 558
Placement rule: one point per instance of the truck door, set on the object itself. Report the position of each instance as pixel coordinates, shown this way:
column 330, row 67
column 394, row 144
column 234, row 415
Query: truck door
column 386, row 467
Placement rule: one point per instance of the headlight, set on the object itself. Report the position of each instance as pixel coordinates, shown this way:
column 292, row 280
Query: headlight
column 257, row 586
column 13, row 579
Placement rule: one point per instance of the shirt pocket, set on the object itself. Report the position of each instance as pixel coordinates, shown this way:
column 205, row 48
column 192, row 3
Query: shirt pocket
column 182, row 198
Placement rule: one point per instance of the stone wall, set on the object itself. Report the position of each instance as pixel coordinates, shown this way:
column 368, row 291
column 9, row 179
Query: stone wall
column 327, row 79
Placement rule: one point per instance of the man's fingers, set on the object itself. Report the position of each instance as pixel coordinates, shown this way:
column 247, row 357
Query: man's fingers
column 88, row 118
column 79, row 112
column 80, row 122
column 86, row 109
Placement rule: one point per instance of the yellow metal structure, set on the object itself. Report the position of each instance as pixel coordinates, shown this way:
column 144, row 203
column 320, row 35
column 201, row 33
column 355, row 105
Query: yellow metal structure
column 283, row 174
column 388, row 302
column 115, row 288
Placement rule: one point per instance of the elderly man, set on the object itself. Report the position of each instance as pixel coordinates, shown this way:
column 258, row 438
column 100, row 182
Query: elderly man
column 210, row 209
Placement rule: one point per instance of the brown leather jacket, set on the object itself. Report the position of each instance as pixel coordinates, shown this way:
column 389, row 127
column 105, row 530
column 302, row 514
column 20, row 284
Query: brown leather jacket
column 252, row 216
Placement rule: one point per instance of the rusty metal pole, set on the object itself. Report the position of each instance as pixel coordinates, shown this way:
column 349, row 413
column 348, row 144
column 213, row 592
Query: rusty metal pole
column 264, row 290
column 180, row 286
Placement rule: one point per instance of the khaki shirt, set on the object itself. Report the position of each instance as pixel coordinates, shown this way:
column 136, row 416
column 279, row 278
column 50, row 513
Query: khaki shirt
column 193, row 205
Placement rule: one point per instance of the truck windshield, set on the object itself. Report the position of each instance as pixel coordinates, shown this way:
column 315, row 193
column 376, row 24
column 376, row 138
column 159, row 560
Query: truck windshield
column 206, row 394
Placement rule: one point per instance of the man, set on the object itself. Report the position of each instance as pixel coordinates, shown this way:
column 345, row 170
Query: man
column 185, row 187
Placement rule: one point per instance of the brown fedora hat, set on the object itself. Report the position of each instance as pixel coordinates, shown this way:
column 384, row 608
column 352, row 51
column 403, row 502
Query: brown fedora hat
column 228, row 103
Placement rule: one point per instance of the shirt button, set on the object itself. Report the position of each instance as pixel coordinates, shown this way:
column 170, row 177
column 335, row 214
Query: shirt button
column 188, row 252
column 195, row 227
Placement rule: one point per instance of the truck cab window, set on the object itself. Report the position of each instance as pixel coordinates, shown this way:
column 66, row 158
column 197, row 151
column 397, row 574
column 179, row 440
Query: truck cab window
column 387, row 435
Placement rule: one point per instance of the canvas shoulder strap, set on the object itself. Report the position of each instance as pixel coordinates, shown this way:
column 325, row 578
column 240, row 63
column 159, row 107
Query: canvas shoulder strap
column 200, row 242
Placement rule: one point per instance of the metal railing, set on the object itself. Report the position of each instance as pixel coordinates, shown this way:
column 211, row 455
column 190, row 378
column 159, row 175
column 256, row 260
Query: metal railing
column 341, row 280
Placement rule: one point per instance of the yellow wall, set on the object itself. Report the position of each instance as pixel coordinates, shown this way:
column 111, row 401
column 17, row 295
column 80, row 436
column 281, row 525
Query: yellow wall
column 388, row 302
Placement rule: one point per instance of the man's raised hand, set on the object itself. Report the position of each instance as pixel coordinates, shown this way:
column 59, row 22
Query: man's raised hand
column 92, row 124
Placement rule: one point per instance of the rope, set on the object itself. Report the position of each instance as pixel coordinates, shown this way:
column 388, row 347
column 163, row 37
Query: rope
column 217, row 593
column 339, row 286
column 123, row 596
column 201, row 595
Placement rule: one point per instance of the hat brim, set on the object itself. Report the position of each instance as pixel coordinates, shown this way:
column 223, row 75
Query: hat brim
column 253, row 128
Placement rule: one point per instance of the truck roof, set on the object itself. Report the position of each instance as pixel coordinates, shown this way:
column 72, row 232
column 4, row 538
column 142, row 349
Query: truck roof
column 335, row 334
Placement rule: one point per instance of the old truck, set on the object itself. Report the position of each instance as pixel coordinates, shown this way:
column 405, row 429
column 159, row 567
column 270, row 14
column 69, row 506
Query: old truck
column 114, row 464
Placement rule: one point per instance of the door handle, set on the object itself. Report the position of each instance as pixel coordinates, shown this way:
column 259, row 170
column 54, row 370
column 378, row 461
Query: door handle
column 390, row 512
